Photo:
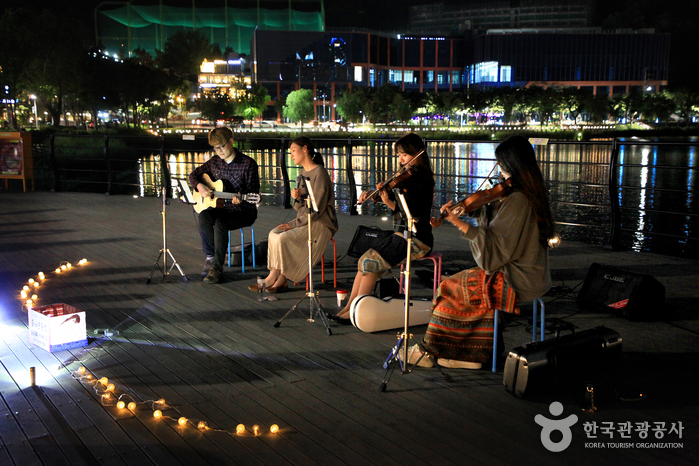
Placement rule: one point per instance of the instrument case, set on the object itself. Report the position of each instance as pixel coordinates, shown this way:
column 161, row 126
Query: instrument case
column 371, row 314
column 562, row 363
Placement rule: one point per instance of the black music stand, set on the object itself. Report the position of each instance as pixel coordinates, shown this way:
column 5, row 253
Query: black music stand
column 165, row 252
column 399, row 353
column 316, row 308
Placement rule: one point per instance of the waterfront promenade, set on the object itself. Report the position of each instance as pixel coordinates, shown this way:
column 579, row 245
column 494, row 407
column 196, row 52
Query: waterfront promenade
column 213, row 354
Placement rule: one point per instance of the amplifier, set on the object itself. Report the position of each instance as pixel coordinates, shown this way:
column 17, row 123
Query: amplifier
column 632, row 295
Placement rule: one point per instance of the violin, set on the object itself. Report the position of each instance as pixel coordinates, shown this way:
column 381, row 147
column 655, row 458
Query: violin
column 405, row 172
column 474, row 201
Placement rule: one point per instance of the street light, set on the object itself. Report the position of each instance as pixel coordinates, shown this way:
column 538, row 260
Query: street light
column 36, row 117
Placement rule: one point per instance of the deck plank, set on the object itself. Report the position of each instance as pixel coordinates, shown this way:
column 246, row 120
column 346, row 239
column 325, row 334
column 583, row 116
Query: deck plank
column 213, row 353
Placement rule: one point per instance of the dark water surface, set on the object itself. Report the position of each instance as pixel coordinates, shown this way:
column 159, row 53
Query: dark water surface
column 657, row 185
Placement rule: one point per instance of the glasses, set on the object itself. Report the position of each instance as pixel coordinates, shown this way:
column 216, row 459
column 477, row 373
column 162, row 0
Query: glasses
column 219, row 148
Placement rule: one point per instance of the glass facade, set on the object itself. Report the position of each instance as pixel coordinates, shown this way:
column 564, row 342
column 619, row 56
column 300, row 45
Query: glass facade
column 365, row 59
column 586, row 58
column 607, row 58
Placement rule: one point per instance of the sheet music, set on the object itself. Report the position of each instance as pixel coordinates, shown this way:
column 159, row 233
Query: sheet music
column 314, row 206
column 403, row 205
column 185, row 192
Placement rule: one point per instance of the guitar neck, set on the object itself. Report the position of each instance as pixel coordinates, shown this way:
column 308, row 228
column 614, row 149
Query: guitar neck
column 225, row 195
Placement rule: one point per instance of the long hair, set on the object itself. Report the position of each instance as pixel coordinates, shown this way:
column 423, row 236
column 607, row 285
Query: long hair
column 315, row 155
column 517, row 157
column 413, row 144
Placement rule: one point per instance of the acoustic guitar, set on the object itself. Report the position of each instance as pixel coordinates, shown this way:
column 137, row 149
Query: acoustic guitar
column 218, row 194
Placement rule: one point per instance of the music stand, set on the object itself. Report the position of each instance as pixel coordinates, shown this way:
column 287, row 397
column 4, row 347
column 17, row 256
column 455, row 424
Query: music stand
column 164, row 252
column 314, row 302
column 399, row 353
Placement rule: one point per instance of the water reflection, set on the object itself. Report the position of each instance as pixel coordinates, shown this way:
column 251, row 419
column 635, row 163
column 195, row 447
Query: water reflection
column 652, row 179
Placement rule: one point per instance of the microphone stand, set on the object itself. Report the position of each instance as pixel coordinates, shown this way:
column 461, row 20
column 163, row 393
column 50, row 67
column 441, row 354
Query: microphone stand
column 399, row 353
column 164, row 252
column 315, row 306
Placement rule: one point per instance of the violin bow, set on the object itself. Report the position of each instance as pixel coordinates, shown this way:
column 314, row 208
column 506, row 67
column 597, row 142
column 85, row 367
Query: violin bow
column 398, row 173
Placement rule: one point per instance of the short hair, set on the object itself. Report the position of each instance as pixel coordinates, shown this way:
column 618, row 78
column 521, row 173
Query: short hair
column 220, row 136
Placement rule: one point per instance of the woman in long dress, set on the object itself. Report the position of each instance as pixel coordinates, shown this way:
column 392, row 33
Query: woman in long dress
column 510, row 245
column 287, row 256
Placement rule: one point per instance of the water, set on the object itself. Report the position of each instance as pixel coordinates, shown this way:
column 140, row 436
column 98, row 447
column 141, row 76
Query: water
column 657, row 185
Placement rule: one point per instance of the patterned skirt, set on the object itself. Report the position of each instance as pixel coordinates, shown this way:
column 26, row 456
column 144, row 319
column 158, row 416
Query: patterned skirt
column 461, row 326
column 389, row 253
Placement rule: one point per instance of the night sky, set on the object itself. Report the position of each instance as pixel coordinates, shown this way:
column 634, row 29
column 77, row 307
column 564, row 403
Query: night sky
column 677, row 17
column 370, row 14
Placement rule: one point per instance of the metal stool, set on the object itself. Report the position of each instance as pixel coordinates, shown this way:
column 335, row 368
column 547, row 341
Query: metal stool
column 242, row 248
column 537, row 301
column 436, row 259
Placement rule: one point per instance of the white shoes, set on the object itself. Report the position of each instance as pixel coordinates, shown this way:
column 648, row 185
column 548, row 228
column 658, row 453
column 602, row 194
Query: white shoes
column 414, row 354
column 456, row 364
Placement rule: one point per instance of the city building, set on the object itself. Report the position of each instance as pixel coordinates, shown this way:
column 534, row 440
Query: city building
column 445, row 18
column 230, row 76
column 329, row 62
column 612, row 63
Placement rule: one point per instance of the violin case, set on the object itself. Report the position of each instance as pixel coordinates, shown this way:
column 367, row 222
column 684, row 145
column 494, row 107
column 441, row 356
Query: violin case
column 371, row 314
column 562, row 363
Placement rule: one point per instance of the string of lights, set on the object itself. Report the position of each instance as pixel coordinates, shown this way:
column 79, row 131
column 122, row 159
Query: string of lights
column 111, row 396
column 29, row 294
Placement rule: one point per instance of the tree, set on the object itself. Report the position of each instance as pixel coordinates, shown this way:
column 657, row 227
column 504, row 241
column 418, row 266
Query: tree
column 99, row 84
column 54, row 64
column 473, row 102
column 16, row 47
column 184, row 52
column 217, row 105
column 659, row 106
column 687, row 103
column 573, row 101
column 402, row 107
column 597, row 107
column 629, row 105
column 299, row 106
column 505, row 100
column 384, row 97
column 279, row 105
column 253, row 102
column 350, row 104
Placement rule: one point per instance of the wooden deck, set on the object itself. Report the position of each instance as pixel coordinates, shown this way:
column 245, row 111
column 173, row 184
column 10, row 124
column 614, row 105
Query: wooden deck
column 212, row 353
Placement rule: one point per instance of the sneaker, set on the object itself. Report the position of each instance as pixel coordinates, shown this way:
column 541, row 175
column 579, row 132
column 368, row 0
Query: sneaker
column 213, row 276
column 207, row 266
column 456, row 364
column 414, row 354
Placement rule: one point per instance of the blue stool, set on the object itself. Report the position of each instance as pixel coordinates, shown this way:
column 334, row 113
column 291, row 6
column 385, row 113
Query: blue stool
column 242, row 248
column 537, row 301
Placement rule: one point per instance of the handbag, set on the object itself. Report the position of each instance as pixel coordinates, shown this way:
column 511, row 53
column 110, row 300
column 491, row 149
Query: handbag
column 366, row 238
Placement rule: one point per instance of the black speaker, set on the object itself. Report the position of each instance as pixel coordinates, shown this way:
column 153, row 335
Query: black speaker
column 634, row 296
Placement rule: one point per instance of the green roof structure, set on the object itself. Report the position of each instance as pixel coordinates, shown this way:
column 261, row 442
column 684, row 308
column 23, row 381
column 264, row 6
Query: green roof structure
column 148, row 26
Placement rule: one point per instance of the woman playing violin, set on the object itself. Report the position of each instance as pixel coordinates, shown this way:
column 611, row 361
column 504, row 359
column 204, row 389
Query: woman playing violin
column 418, row 190
column 510, row 245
